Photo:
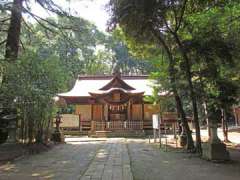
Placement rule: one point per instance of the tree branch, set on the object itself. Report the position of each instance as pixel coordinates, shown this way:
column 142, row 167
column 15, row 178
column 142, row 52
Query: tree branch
column 1, row 43
column 4, row 20
column 52, row 7
column 3, row 30
column 6, row 6
column 22, row 44
column 166, row 24
column 48, row 22
column 41, row 21
column 28, row 27
column 174, row 12
column 38, row 18
column 181, row 16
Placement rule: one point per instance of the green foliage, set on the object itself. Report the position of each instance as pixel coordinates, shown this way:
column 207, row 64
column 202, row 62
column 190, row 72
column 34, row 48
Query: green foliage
column 209, row 36
column 47, row 56
column 33, row 77
column 82, row 48
column 32, row 82
column 53, row 52
column 75, row 44
column 123, row 58
column 215, row 44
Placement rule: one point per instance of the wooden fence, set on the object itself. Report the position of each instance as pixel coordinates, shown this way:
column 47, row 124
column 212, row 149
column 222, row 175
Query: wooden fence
column 117, row 125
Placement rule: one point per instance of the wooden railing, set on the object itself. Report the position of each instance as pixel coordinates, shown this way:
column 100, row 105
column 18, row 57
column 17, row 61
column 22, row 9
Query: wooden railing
column 117, row 125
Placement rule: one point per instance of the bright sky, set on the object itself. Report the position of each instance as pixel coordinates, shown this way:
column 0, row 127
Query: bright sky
column 92, row 10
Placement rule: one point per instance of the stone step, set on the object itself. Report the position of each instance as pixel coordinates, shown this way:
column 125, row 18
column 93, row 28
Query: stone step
column 117, row 134
column 75, row 133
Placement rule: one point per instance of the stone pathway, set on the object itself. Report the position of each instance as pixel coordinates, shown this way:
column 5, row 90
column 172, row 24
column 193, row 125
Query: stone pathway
column 80, row 158
column 116, row 159
column 64, row 162
column 111, row 163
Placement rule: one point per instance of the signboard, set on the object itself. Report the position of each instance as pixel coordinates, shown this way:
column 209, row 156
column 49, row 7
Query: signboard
column 155, row 121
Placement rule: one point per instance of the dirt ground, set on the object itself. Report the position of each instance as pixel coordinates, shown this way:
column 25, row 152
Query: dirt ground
column 148, row 162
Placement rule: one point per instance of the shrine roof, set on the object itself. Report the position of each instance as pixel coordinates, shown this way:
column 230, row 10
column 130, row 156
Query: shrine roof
column 99, row 92
column 87, row 84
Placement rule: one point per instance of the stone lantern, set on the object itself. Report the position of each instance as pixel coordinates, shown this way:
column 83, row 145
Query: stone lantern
column 3, row 127
column 58, row 121
column 11, row 127
column 214, row 149
column 182, row 136
column 58, row 136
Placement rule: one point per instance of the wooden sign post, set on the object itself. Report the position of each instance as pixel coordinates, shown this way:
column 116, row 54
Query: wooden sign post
column 159, row 132
column 155, row 124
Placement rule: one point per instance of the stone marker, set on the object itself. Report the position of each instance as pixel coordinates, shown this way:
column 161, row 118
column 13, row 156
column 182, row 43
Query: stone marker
column 214, row 149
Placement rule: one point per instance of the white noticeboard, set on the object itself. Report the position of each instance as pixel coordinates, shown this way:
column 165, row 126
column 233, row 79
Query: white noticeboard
column 155, row 121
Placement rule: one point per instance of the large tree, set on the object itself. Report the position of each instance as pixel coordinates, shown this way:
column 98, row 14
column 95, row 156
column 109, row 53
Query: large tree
column 168, row 23
column 149, row 21
column 17, row 8
column 214, row 44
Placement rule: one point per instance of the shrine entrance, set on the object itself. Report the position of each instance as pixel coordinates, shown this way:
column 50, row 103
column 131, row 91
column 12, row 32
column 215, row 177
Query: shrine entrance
column 117, row 99
column 117, row 112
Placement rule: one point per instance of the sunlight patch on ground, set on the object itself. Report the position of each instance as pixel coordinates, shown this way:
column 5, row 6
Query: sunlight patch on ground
column 102, row 153
column 9, row 167
column 49, row 176
column 36, row 174
column 166, row 162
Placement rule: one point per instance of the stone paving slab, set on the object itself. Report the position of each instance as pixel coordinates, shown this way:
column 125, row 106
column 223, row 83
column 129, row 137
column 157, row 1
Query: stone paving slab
column 116, row 159
column 110, row 163
column 64, row 162
column 85, row 159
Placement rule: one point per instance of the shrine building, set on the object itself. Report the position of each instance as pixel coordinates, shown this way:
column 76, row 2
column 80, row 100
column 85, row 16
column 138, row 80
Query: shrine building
column 113, row 103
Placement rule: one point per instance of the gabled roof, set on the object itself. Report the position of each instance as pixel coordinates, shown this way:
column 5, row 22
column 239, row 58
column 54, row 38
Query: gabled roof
column 103, row 93
column 117, row 82
column 86, row 84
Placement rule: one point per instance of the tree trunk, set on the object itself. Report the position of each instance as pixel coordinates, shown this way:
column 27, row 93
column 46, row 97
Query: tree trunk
column 31, row 123
column 13, row 35
column 47, row 135
column 224, row 125
column 206, row 117
column 190, row 144
column 192, row 93
column 23, row 119
column 235, row 115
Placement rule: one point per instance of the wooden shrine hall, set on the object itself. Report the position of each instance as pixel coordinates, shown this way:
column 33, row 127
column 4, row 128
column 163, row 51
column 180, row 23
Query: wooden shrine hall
column 114, row 103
